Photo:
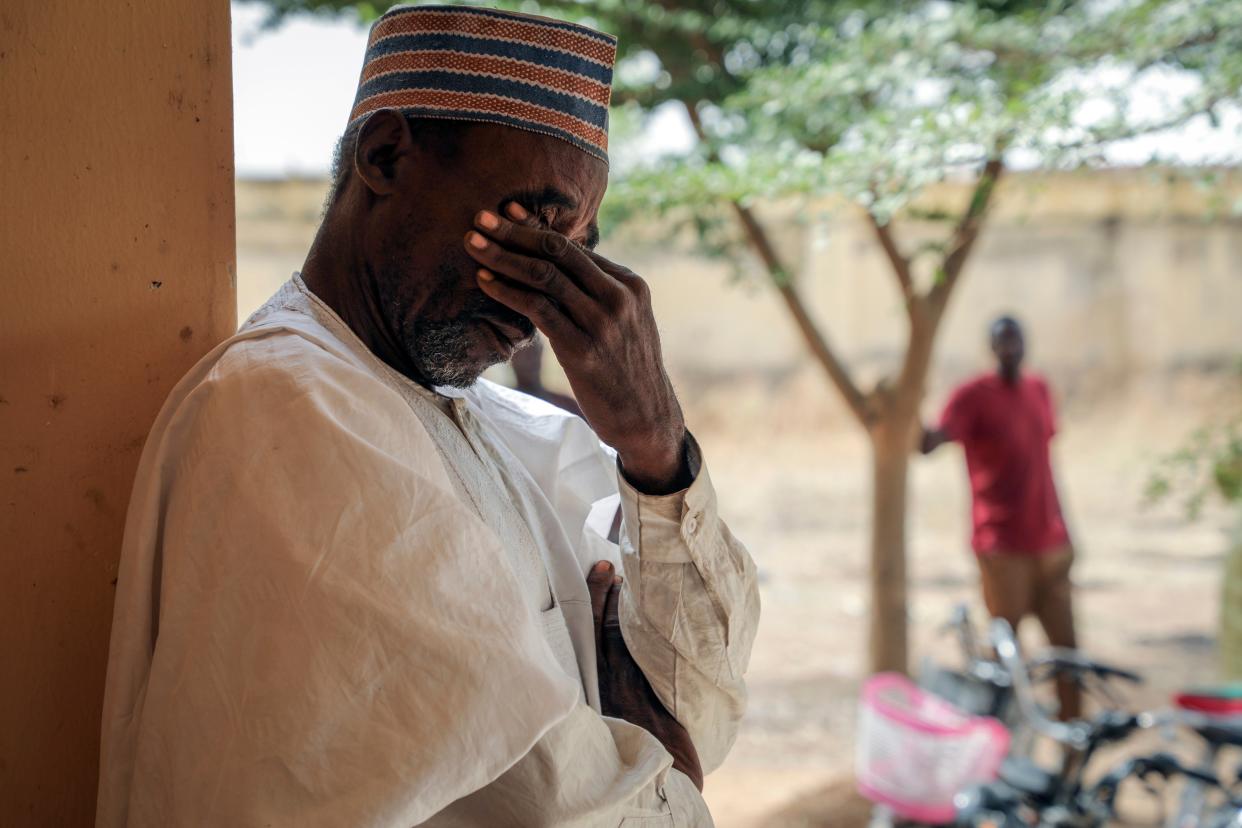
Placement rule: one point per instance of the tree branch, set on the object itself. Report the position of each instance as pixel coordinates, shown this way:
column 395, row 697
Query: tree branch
column 1144, row 129
column 811, row 334
column 967, row 230
column 1008, row 52
column 779, row 274
column 1103, row 138
column 899, row 264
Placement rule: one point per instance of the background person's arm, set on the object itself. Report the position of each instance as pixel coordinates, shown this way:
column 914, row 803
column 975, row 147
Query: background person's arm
column 933, row 438
column 956, row 421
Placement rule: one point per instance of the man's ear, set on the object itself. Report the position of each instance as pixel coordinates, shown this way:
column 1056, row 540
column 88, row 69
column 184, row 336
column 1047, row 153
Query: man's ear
column 384, row 144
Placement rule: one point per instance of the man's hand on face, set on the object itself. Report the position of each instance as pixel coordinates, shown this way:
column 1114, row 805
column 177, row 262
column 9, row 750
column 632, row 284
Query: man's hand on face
column 597, row 318
column 624, row 692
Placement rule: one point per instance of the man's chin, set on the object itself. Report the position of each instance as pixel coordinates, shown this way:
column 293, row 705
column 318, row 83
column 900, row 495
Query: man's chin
column 455, row 356
column 455, row 375
column 463, row 372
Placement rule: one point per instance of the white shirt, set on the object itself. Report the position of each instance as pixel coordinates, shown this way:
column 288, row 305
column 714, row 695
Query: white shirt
column 347, row 600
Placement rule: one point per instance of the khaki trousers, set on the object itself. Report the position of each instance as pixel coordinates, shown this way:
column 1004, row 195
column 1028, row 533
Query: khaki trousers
column 1018, row 584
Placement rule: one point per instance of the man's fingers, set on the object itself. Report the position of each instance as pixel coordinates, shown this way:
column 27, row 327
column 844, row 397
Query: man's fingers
column 527, row 236
column 519, row 214
column 545, row 314
column 619, row 272
column 623, row 277
column 612, row 616
column 572, row 259
column 599, row 582
column 539, row 275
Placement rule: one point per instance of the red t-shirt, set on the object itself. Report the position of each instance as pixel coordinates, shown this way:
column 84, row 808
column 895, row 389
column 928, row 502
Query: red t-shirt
column 1005, row 431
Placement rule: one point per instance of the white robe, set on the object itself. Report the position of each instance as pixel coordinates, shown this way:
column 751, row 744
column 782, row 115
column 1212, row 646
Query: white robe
column 346, row 600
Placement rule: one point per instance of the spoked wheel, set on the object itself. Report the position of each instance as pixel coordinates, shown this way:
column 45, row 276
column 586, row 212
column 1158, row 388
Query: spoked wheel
column 1215, row 713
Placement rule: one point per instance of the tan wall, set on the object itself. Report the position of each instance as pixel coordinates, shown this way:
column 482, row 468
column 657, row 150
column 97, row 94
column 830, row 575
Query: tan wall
column 117, row 265
column 1118, row 275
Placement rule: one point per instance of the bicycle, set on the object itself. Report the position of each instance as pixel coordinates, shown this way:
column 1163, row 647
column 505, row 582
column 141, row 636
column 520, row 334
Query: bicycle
column 982, row 689
column 982, row 686
column 1095, row 805
column 1217, row 718
column 1026, row 794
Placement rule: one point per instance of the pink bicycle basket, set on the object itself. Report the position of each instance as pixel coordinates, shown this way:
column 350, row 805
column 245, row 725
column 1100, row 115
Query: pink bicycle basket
column 915, row 751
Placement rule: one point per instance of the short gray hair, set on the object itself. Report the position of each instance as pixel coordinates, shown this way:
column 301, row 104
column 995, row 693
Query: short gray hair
column 442, row 134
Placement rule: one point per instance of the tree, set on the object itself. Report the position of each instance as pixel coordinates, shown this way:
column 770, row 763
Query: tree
column 1209, row 464
column 875, row 101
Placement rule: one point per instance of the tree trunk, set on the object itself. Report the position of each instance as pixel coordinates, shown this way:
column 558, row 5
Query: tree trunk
column 893, row 438
column 890, row 463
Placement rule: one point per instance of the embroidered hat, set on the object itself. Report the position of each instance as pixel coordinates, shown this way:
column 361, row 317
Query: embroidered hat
column 473, row 64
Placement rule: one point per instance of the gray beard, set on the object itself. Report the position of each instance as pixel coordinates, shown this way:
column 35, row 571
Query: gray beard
column 440, row 348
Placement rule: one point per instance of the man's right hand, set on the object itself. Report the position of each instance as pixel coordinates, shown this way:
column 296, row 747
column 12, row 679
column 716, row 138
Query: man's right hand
column 624, row 692
column 933, row 438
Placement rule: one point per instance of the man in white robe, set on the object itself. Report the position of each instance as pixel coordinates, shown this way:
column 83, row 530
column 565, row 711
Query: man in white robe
column 361, row 587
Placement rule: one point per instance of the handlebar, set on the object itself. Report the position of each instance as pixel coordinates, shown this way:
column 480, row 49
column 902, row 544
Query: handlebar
column 1053, row 662
column 1164, row 765
column 959, row 624
column 1074, row 734
column 1067, row 660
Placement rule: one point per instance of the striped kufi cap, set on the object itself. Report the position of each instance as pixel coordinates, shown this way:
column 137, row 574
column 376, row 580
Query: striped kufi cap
column 472, row 64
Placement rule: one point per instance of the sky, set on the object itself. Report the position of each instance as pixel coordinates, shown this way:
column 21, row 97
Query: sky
column 293, row 88
column 292, row 91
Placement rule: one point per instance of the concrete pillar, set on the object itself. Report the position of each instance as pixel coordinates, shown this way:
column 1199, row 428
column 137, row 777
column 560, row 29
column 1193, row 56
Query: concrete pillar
column 117, row 269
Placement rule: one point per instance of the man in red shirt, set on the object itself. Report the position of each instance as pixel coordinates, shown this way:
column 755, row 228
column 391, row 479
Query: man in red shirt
column 1005, row 422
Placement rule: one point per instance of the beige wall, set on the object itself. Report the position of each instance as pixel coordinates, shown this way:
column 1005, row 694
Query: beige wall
column 117, row 266
column 1119, row 275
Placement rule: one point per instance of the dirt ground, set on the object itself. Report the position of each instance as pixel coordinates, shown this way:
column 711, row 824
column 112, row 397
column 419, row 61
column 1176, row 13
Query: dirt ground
column 792, row 478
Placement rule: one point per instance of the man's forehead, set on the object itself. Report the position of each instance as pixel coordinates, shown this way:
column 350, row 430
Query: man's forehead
column 546, row 171
column 568, row 186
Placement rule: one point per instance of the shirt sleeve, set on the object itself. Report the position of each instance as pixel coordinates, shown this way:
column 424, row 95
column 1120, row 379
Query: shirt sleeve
column 689, row 607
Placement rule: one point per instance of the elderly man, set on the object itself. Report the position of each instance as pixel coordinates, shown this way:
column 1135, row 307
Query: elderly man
column 1005, row 421
column 361, row 586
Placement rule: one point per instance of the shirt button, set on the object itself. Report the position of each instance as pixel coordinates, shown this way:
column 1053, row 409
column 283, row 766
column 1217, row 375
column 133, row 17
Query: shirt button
column 692, row 525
